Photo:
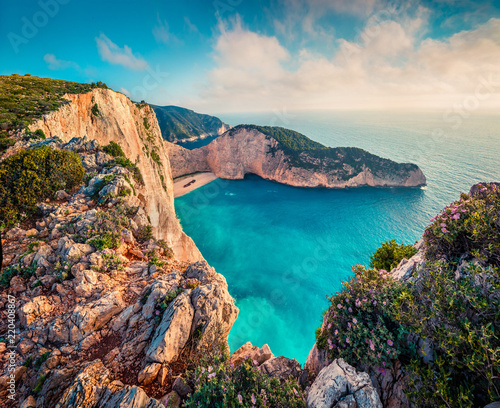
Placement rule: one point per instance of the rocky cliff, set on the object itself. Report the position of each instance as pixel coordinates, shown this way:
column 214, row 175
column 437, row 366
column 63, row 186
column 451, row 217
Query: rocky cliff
column 247, row 149
column 135, row 128
column 181, row 125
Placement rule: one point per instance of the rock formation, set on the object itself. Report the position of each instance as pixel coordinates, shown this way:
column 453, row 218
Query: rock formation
column 135, row 128
column 244, row 150
column 184, row 125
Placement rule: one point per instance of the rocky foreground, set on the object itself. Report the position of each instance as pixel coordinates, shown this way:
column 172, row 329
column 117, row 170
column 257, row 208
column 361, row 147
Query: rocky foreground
column 246, row 149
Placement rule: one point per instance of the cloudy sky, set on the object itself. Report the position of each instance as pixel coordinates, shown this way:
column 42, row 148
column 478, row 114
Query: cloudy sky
column 247, row 55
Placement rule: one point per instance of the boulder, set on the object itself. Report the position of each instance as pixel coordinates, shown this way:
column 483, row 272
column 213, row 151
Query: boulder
column 149, row 374
column 171, row 400
column 89, row 318
column 338, row 381
column 282, row 368
column 29, row 402
column 34, row 309
column 173, row 332
column 180, row 387
column 259, row 355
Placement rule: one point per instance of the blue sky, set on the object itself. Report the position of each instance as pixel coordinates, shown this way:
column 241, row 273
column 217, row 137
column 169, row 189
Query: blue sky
column 248, row 55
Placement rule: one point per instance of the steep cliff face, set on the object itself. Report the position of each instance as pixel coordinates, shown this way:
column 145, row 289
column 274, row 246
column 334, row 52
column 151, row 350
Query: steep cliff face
column 135, row 128
column 181, row 124
column 247, row 150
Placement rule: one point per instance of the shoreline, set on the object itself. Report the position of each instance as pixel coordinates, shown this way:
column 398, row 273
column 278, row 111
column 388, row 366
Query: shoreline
column 190, row 182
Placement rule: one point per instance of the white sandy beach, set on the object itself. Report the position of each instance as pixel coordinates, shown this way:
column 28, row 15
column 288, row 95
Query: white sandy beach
column 186, row 184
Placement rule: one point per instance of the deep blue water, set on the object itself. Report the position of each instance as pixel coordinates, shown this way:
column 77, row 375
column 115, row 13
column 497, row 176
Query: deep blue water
column 282, row 249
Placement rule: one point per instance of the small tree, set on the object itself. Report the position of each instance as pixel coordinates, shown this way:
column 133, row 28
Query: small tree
column 390, row 254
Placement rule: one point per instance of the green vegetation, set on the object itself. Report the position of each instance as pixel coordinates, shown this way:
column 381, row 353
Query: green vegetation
column 178, row 123
column 361, row 326
column 41, row 359
column 114, row 149
column 106, row 232
column 390, row 254
column 289, row 139
column 469, row 226
column 30, row 176
column 127, row 164
column 39, row 384
column 218, row 384
column 24, row 99
column 144, row 233
column 448, row 311
column 167, row 251
column 112, row 262
column 95, row 109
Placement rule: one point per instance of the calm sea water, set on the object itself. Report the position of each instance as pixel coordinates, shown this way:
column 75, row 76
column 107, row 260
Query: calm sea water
column 283, row 249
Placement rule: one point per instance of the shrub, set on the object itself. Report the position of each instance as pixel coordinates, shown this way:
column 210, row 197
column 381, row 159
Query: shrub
column 41, row 359
column 33, row 175
column 95, row 110
column 114, row 149
column 390, row 254
column 126, row 163
column 144, row 233
column 218, row 384
column 469, row 227
column 360, row 324
column 112, row 262
column 167, row 251
column 106, row 232
column 39, row 384
column 39, row 134
column 460, row 317
column 162, row 304
column 24, row 271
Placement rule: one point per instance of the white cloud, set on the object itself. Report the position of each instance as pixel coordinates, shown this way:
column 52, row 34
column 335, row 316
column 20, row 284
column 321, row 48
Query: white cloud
column 56, row 64
column 113, row 54
column 389, row 66
column 162, row 33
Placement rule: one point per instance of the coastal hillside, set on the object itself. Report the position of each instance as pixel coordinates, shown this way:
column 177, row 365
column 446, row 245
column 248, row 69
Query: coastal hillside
column 423, row 321
column 180, row 124
column 291, row 158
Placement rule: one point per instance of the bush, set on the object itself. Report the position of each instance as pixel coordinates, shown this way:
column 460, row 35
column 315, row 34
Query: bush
column 218, row 384
column 112, row 262
column 33, row 175
column 390, row 254
column 39, row 134
column 126, row 163
column 469, row 227
column 114, row 149
column 144, row 233
column 361, row 326
column 460, row 317
column 106, row 232
column 95, row 110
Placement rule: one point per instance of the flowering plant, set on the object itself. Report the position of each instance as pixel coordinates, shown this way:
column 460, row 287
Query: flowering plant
column 218, row 383
column 360, row 325
column 469, row 226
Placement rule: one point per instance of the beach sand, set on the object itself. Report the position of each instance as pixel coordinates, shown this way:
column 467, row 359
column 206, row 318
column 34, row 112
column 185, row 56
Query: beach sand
column 192, row 182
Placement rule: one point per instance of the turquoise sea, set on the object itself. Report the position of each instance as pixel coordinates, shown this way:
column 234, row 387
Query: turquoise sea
column 283, row 249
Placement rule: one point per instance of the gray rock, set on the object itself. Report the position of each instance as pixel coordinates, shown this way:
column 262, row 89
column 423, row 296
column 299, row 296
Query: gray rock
column 62, row 195
column 173, row 332
column 340, row 380
column 282, row 368
column 180, row 387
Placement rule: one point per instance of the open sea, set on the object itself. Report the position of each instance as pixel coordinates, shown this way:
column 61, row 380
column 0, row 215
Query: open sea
column 283, row 249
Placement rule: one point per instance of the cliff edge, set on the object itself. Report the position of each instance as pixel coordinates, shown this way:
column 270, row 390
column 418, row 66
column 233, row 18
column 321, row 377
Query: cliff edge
column 104, row 115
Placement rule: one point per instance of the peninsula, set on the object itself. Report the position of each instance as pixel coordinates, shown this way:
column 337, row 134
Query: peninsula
column 288, row 157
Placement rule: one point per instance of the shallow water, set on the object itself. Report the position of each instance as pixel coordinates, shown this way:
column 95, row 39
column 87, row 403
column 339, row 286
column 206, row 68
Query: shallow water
column 282, row 249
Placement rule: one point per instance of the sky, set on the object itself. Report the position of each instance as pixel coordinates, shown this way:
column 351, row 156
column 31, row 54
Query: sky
column 217, row 56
